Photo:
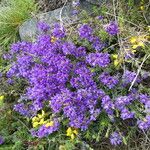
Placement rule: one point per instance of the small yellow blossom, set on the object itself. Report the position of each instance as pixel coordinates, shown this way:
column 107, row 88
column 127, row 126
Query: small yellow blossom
column 1, row 97
column 49, row 124
column 116, row 63
column 138, row 41
column 38, row 120
column 115, row 56
column 135, row 46
column 117, row 60
column 142, row 7
column 34, row 119
column 53, row 39
column 72, row 133
column 133, row 40
column 141, row 44
column 35, row 124
column 41, row 115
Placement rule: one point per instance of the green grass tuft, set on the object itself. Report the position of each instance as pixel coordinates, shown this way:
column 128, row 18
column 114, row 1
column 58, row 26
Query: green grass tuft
column 12, row 14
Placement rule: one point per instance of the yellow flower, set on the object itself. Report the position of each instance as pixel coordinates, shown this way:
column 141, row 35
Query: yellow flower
column 117, row 60
column 115, row 56
column 49, row 124
column 42, row 122
column 135, row 46
column 133, row 40
column 53, row 39
column 35, row 124
column 142, row 7
column 41, row 115
column 141, row 44
column 72, row 133
column 1, row 97
column 116, row 63
column 34, row 119
column 39, row 120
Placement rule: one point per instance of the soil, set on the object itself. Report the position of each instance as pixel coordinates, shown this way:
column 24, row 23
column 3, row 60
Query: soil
column 49, row 5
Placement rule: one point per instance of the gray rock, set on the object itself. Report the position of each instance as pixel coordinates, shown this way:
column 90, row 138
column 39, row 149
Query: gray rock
column 28, row 30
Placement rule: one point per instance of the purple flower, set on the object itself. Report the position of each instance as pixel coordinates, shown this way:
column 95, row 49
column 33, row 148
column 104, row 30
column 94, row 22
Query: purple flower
column 115, row 139
column 144, row 98
column 98, row 59
column 58, row 31
column 1, row 74
column 42, row 26
column 68, row 48
column 107, row 105
column 75, row 3
column 44, row 131
column 122, row 101
column 144, row 124
column 128, row 77
column 100, row 17
column 75, row 12
column 112, row 28
column 85, row 31
column 126, row 114
column 97, row 44
column 108, row 80
column 1, row 140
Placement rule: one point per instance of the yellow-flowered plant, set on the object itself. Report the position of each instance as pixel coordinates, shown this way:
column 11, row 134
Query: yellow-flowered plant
column 49, row 124
column 1, row 100
column 142, row 5
column 53, row 39
column 117, row 60
column 72, row 133
column 40, row 120
column 1, row 97
column 138, row 41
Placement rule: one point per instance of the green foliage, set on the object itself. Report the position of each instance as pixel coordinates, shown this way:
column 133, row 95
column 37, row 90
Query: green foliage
column 12, row 14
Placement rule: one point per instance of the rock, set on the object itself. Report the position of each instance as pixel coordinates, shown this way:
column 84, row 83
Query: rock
column 28, row 31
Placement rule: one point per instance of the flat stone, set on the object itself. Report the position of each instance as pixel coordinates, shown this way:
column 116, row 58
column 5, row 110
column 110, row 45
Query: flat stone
column 28, row 30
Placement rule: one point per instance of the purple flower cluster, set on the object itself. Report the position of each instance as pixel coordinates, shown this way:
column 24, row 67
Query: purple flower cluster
column 85, row 32
column 115, row 139
column 79, row 107
column 44, row 130
column 108, row 80
column 70, row 49
column 82, row 77
column 59, row 77
column 97, row 44
column 126, row 114
column 98, row 59
column 42, row 26
column 107, row 105
column 112, row 28
column 128, row 77
column 145, row 123
column 123, row 101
